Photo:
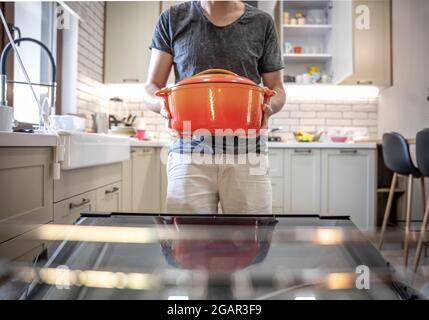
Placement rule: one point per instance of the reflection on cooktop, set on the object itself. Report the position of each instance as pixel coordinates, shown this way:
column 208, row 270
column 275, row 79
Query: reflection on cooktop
column 144, row 256
column 247, row 245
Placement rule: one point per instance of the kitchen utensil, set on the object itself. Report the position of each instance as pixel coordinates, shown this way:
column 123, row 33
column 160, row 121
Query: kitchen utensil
column 215, row 99
column 6, row 118
column 101, row 122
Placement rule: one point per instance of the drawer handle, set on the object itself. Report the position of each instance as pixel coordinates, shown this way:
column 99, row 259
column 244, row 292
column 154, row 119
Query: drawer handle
column 307, row 151
column 77, row 205
column 133, row 151
column 364, row 82
column 349, row 151
column 115, row 189
column 133, row 80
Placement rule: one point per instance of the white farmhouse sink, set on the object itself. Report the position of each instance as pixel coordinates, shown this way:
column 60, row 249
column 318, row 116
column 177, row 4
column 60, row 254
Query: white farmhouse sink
column 91, row 149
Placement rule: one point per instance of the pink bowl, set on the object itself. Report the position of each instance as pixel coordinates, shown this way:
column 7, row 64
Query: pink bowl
column 339, row 139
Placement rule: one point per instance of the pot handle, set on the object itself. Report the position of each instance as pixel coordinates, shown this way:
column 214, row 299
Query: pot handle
column 217, row 71
column 164, row 93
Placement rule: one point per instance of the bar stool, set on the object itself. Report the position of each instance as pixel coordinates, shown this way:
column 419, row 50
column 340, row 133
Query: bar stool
column 422, row 155
column 396, row 155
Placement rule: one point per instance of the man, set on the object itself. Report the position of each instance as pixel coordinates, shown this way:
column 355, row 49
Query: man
column 196, row 36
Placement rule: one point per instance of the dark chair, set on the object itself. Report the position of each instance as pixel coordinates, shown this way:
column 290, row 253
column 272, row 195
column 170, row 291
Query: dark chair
column 397, row 158
column 422, row 155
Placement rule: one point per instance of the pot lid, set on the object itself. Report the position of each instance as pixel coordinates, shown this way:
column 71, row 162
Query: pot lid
column 216, row 76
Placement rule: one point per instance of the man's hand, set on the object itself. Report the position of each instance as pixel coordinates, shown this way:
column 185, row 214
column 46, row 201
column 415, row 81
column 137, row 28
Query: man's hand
column 164, row 113
column 267, row 111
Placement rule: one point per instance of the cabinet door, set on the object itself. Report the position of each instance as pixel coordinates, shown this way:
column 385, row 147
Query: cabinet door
column 128, row 32
column 302, row 181
column 372, row 43
column 348, row 185
column 340, row 40
column 68, row 211
column 108, row 198
column 146, row 180
column 26, row 190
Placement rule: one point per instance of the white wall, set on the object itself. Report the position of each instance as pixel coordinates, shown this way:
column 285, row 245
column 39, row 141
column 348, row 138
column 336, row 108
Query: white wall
column 404, row 107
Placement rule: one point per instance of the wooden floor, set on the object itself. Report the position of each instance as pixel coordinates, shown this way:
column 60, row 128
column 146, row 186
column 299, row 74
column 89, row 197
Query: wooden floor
column 393, row 253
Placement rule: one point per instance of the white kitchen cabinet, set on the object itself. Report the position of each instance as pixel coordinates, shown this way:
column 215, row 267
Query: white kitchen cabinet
column 108, row 198
column 372, row 43
column 128, row 32
column 353, row 45
column 302, row 181
column 26, row 190
column 146, row 180
column 348, row 183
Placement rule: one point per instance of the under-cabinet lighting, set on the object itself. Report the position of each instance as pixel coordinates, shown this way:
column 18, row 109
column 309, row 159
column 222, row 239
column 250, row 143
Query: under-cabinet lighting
column 332, row 91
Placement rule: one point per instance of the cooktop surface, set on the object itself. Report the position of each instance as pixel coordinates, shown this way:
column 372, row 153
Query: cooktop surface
column 146, row 256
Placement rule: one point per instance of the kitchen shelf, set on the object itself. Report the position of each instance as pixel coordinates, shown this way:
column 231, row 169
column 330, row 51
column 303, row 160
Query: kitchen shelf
column 307, row 4
column 307, row 29
column 307, row 57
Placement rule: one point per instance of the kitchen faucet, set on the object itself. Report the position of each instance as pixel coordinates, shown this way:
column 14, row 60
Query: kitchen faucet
column 3, row 78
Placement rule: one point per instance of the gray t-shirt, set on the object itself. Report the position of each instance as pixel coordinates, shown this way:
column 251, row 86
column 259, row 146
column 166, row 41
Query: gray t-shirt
column 248, row 47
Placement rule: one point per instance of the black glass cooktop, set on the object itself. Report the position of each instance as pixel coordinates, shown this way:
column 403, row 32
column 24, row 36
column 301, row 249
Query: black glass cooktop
column 144, row 256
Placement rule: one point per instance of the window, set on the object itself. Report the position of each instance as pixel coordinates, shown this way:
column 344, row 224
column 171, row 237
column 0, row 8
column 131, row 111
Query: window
column 35, row 20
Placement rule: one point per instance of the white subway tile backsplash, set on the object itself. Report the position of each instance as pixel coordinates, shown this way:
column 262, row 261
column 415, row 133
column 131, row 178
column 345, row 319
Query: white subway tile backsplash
column 355, row 115
column 315, row 121
column 365, row 107
column 338, row 122
column 312, row 107
column 332, row 115
column 338, row 107
column 291, row 107
column 364, row 122
column 303, row 114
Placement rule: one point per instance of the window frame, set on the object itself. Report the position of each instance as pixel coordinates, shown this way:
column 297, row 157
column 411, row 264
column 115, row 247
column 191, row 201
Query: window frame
column 8, row 9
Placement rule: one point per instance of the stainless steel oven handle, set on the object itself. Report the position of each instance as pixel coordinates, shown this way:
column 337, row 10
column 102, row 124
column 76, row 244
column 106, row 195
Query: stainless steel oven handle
column 77, row 205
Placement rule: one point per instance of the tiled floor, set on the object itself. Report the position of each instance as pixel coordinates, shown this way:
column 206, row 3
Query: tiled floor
column 393, row 252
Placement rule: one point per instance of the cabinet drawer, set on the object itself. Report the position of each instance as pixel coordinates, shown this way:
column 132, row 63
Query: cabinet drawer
column 68, row 211
column 276, row 162
column 77, row 181
column 24, row 248
column 277, row 186
column 108, row 198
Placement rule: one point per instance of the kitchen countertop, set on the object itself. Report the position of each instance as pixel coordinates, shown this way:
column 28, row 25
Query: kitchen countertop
column 17, row 139
column 14, row 139
column 277, row 145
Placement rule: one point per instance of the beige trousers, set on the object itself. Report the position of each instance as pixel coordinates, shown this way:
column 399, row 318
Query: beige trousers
column 197, row 185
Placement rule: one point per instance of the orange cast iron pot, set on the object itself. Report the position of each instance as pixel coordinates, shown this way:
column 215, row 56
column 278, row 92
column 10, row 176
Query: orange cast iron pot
column 214, row 100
